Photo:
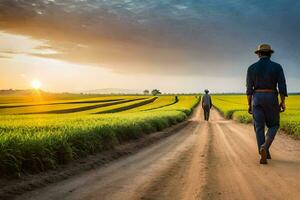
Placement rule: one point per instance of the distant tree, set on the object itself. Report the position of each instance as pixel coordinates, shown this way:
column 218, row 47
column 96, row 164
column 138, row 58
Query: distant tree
column 146, row 92
column 155, row 92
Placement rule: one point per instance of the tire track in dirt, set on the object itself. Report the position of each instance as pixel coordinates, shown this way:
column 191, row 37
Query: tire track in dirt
column 184, row 178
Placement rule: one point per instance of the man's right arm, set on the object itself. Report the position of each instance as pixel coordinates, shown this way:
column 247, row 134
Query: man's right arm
column 249, row 98
column 250, row 90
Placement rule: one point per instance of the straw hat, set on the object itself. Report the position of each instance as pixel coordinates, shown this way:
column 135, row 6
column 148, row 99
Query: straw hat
column 264, row 48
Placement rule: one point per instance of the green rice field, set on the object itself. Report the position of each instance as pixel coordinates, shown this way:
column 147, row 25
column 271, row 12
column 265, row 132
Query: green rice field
column 38, row 134
column 235, row 107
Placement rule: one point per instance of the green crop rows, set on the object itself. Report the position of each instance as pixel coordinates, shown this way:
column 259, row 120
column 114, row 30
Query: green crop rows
column 35, row 137
column 235, row 107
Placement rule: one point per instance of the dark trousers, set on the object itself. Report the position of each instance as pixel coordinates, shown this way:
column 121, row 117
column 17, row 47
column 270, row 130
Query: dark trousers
column 206, row 110
column 266, row 111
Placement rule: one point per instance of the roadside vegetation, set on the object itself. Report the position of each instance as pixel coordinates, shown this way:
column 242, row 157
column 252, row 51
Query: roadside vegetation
column 50, row 136
column 235, row 107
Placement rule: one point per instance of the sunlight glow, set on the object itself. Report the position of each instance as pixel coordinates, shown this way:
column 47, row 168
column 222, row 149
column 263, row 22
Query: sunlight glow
column 36, row 84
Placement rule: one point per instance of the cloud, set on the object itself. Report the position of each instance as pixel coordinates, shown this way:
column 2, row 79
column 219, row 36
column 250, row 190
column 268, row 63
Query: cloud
column 166, row 37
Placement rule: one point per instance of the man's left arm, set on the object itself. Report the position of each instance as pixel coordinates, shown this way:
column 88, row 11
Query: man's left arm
column 282, row 89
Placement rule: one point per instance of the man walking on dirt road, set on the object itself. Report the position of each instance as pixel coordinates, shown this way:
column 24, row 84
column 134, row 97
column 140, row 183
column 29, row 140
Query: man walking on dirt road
column 263, row 79
column 206, row 104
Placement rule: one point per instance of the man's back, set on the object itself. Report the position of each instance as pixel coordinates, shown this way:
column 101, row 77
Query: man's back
column 206, row 100
column 265, row 74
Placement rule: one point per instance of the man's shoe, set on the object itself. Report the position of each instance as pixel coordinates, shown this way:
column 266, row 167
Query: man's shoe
column 263, row 154
column 265, row 147
column 269, row 155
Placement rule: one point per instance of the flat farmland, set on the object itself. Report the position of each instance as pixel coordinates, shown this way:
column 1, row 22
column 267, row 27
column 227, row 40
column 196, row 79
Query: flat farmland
column 38, row 135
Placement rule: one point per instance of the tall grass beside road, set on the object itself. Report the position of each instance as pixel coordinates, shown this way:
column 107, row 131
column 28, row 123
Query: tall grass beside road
column 38, row 142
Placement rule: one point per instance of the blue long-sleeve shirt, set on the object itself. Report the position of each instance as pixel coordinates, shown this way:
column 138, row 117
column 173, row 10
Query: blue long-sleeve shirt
column 266, row 74
column 206, row 100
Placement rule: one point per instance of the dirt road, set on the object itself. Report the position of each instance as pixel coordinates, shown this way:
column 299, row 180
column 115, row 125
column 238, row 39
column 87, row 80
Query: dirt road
column 204, row 160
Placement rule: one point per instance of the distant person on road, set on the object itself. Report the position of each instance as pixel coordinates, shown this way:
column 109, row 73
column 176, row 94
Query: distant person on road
column 265, row 79
column 206, row 104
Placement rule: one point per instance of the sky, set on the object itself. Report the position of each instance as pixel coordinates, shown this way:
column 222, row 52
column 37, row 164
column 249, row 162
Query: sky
column 172, row 45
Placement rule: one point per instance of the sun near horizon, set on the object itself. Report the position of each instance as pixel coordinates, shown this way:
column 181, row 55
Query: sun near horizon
column 36, row 84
